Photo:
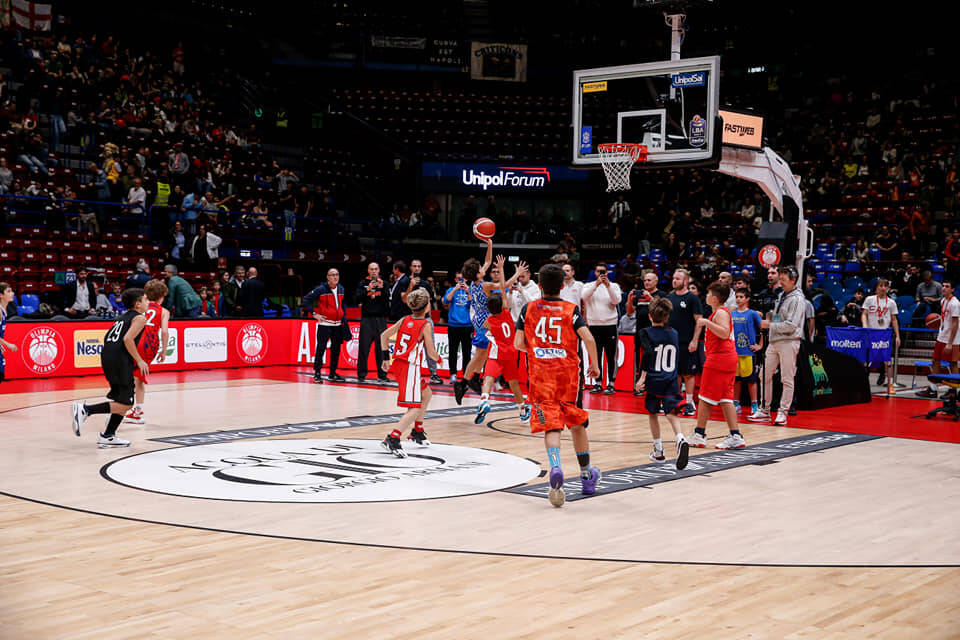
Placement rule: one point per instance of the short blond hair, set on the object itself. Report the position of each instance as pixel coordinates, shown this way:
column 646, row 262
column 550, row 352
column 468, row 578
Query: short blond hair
column 417, row 300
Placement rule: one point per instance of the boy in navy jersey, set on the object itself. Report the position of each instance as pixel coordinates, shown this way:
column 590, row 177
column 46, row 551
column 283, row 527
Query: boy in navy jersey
column 660, row 350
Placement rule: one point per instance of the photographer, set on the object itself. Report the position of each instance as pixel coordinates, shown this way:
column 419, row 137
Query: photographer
column 600, row 300
column 459, row 330
column 638, row 302
column 374, row 307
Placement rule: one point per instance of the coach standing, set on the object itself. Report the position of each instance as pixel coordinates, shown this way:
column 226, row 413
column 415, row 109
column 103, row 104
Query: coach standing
column 325, row 304
column 601, row 299
column 374, row 308
column 786, row 333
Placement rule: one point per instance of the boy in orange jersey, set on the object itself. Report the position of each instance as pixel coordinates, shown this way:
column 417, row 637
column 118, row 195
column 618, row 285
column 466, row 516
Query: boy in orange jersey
column 152, row 342
column 414, row 337
column 550, row 331
column 502, row 356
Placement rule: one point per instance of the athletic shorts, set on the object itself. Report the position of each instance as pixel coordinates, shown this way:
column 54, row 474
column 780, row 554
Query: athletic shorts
column 938, row 352
column 120, row 376
column 663, row 396
column 548, row 416
column 411, row 381
column 480, row 340
column 506, row 367
column 688, row 364
column 716, row 386
column 746, row 371
column 148, row 354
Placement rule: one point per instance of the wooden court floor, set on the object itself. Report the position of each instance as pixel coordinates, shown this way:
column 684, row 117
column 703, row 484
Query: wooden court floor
column 857, row 541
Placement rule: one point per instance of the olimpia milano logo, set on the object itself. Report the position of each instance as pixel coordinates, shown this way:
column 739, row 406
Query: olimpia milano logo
column 320, row 470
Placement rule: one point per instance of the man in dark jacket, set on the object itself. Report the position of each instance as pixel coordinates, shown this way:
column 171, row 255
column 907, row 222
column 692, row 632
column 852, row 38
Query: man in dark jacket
column 374, row 307
column 325, row 304
column 398, row 291
column 79, row 296
column 231, row 291
column 141, row 277
column 252, row 295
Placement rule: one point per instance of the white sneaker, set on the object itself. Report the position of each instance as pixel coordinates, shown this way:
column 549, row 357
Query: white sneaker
column 134, row 416
column 697, row 440
column 110, row 442
column 733, row 441
column 657, row 455
column 781, row 419
column 760, row 415
column 80, row 414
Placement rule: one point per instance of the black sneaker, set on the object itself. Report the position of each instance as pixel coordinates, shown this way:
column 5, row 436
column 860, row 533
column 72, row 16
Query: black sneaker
column 792, row 412
column 688, row 411
column 609, row 391
column 927, row 393
column 948, row 394
column 459, row 390
column 474, row 383
column 392, row 444
column 881, row 380
column 336, row 377
column 318, row 378
column 419, row 436
column 435, row 379
column 597, row 388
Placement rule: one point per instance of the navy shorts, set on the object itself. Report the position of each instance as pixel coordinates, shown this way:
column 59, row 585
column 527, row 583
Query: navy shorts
column 689, row 364
column 663, row 395
column 480, row 340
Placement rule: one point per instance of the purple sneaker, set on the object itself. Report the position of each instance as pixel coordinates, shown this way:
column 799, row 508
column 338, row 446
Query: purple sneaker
column 588, row 486
column 557, row 496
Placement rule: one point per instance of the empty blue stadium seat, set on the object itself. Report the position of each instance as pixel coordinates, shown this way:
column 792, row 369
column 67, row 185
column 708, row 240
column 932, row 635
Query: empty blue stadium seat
column 29, row 303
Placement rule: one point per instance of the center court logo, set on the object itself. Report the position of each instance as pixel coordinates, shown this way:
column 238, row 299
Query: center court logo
column 252, row 343
column 43, row 350
column 320, row 470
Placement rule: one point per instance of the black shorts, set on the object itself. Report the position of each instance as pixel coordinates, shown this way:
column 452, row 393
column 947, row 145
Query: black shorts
column 663, row 395
column 119, row 374
column 689, row 364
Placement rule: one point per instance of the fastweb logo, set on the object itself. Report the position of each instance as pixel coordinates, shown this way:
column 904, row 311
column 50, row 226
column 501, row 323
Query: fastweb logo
column 510, row 177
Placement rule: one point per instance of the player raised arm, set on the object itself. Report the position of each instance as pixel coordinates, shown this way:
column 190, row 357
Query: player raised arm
column 129, row 341
column 487, row 258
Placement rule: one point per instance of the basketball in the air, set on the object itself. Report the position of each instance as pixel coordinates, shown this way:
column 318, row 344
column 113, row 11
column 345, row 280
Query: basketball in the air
column 484, row 228
column 933, row 321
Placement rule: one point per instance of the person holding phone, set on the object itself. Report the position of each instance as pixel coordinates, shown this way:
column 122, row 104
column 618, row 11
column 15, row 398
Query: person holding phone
column 374, row 307
column 459, row 330
column 638, row 303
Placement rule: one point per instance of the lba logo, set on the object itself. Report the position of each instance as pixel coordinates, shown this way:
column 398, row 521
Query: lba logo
column 252, row 343
column 43, row 350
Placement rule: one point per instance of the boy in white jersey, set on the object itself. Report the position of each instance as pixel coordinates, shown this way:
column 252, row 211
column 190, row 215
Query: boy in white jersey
column 880, row 312
column 948, row 338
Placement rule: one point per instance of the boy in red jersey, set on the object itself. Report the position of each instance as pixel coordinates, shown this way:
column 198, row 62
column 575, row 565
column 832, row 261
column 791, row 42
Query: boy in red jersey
column 502, row 355
column 152, row 342
column 550, row 330
column 414, row 337
column 719, row 369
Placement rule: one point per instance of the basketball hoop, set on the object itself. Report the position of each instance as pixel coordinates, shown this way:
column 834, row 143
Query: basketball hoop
column 617, row 159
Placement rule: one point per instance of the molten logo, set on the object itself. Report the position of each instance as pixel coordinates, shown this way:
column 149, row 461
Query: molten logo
column 510, row 177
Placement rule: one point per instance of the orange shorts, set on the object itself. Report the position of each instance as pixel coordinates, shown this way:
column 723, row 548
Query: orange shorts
column 547, row 416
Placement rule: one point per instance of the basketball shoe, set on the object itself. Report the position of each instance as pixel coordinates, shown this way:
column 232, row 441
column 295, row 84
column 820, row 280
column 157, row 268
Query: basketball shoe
column 696, row 440
column 134, row 416
column 588, row 483
column 110, row 442
column 525, row 414
column 482, row 412
column 657, row 455
column 475, row 383
column 781, row 419
column 733, row 441
column 557, row 496
column 760, row 415
column 392, row 444
column 688, row 411
column 683, row 452
column 459, row 390
column 79, row 415
column 419, row 436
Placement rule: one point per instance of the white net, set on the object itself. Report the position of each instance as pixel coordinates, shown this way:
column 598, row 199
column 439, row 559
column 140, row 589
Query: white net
column 617, row 160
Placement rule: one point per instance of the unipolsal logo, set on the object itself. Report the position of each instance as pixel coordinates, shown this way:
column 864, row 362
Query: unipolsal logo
column 320, row 470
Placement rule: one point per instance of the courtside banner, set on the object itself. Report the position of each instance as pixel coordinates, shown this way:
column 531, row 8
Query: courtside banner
column 50, row 349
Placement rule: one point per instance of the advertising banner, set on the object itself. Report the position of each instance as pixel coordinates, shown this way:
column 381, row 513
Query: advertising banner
column 498, row 61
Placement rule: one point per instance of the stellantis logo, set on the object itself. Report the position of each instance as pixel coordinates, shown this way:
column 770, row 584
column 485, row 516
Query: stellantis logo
column 527, row 178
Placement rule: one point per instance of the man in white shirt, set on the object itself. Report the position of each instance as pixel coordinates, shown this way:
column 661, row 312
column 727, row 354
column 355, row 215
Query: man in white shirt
column 524, row 290
column 572, row 289
column 601, row 298
column 137, row 198
column 948, row 339
column 726, row 278
column 880, row 312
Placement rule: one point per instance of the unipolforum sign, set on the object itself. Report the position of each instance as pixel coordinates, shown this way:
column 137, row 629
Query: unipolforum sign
column 501, row 178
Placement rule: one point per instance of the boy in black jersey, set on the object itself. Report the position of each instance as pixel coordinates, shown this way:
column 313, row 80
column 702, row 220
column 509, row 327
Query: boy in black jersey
column 118, row 359
column 660, row 356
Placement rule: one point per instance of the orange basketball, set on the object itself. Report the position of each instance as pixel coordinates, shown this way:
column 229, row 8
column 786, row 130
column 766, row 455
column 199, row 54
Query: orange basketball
column 484, row 228
column 933, row 321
